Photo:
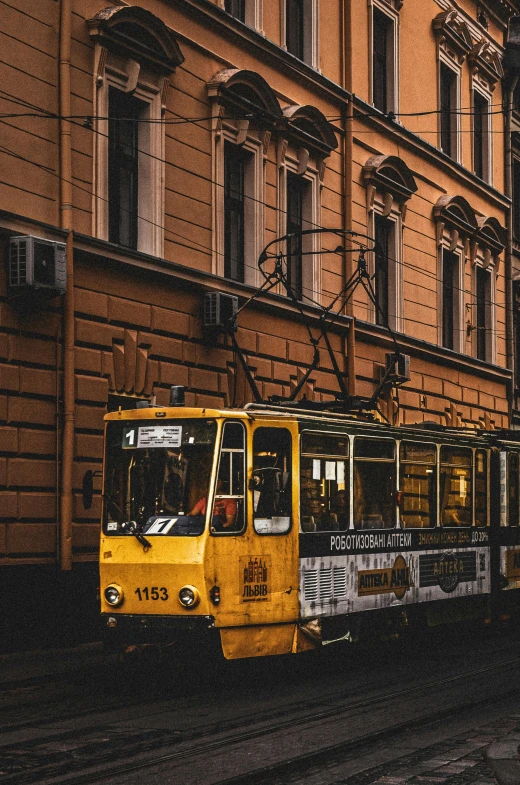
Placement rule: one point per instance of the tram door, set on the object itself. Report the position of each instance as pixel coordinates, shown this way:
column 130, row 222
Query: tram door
column 252, row 557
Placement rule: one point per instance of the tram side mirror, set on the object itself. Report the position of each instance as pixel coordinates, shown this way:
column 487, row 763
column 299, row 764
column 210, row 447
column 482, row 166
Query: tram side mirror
column 88, row 489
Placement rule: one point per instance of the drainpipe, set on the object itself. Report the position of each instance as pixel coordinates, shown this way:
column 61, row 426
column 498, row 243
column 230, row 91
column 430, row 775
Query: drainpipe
column 66, row 222
column 512, row 66
column 508, row 190
column 346, row 76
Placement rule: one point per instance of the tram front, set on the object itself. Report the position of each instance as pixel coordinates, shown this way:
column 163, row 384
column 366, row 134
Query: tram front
column 158, row 485
column 199, row 541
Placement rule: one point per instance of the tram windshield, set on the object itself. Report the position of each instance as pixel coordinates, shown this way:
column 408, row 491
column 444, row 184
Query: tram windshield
column 156, row 473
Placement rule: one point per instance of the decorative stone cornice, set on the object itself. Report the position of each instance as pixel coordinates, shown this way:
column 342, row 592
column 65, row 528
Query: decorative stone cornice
column 137, row 34
column 456, row 215
column 491, row 235
column 247, row 92
column 452, row 32
column 308, row 127
column 483, row 59
column 390, row 174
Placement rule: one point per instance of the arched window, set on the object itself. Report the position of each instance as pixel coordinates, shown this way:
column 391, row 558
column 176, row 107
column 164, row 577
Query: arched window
column 456, row 224
column 488, row 244
column 389, row 184
column 244, row 113
column 453, row 44
column 135, row 54
column 305, row 140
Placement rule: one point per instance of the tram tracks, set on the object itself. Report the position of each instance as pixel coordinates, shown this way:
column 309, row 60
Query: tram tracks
column 107, row 750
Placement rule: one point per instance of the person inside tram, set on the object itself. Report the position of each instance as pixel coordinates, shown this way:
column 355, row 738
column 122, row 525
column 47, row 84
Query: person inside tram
column 224, row 509
column 342, row 510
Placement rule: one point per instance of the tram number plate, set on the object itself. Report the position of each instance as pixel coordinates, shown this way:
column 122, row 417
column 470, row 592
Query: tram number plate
column 153, row 593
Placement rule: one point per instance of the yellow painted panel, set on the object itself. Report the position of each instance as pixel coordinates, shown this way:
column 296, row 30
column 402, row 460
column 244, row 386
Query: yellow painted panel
column 258, row 641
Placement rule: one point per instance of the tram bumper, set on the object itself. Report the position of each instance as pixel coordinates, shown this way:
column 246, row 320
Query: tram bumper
column 124, row 628
column 133, row 637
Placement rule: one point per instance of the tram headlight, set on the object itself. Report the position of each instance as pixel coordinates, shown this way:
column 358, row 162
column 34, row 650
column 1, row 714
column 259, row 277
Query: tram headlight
column 189, row 596
column 114, row 594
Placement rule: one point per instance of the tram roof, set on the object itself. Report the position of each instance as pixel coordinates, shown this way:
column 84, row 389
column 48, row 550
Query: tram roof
column 315, row 418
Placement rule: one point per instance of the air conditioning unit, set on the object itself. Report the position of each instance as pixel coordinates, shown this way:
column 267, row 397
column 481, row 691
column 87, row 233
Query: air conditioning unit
column 399, row 366
column 36, row 267
column 220, row 309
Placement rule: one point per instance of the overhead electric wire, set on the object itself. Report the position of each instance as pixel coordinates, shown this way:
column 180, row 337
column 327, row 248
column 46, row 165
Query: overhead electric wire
column 177, row 234
column 203, row 247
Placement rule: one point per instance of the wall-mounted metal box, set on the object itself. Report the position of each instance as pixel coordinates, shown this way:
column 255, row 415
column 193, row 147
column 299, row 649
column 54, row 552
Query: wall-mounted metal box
column 219, row 309
column 36, row 266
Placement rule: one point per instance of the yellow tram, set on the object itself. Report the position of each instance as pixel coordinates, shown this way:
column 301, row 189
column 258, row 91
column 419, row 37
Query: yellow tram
column 271, row 530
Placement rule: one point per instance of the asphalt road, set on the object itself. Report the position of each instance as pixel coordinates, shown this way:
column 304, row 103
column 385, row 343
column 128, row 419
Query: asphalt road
column 351, row 714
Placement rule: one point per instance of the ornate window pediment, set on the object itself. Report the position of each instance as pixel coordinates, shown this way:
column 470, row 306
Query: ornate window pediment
column 134, row 56
column 491, row 237
column 453, row 34
column 246, row 93
column 136, row 33
column 245, row 111
column 391, row 176
column 308, row 127
column 456, row 214
column 484, row 61
column 389, row 184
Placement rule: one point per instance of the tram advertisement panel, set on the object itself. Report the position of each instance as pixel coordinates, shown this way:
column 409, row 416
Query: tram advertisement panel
column 345, row 573
column 332, row 543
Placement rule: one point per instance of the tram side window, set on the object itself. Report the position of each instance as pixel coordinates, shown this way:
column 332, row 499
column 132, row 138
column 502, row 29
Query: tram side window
column 374, row 483
column 271, row 481
column 228, row 509
column 481, row 488
column 455, row 486
column 418, row 485
column 324, row 482
column 513, row 488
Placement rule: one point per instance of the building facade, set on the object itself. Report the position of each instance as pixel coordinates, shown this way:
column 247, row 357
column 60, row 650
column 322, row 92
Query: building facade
column 162, row 146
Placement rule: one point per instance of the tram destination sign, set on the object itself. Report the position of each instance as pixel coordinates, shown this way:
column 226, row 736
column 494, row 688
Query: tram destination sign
column 152, row 436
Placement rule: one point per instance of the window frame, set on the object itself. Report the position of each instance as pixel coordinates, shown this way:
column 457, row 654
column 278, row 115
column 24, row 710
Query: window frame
column 127, row 77
column 292, row 468
column 508, row 454
column 123, row 107
column 455, row 89
column 406, row 461
column 516, row 329
column 395, row 279
column 311, row 219
column 243, row 204
column 254, row 208
column 310, row 9
column 378, row 7
column 346, row 458
column 489, row 311
column 441, row 464
column 446, row 245
column 487, row 478
column 515, row 210
column 253, row 13
column 244, row 497
column 456, row 301
column 394, row 462
column 485, row 148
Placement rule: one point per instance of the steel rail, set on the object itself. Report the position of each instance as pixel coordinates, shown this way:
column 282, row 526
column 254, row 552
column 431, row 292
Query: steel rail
column 307, row 759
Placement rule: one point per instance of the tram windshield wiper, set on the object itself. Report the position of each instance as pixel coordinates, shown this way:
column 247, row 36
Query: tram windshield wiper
column 132, row 528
